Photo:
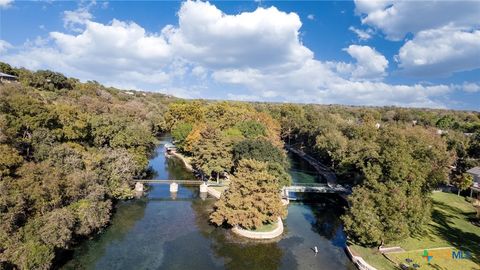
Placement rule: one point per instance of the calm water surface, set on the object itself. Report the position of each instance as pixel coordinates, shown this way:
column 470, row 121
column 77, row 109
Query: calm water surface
column 161, row 232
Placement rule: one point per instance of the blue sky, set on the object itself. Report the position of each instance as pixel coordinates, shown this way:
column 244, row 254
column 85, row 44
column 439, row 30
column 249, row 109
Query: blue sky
column 404, row 53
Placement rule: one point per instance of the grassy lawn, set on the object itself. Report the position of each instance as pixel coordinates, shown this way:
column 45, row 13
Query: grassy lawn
column 373, row 257
column 441, row 259
column 266, row 228
column 450, row 227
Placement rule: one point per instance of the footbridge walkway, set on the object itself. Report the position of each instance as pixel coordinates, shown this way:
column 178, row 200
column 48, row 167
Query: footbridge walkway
column 321, row 169
column 294, row 188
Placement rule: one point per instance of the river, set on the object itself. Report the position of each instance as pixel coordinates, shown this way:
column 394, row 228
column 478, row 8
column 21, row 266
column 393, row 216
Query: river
column 161, row 232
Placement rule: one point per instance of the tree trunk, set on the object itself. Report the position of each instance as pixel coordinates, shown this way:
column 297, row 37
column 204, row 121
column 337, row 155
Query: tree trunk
column 218, row 182
column 458, row 193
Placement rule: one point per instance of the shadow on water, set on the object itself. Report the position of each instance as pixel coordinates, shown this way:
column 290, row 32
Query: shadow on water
column 324, row 219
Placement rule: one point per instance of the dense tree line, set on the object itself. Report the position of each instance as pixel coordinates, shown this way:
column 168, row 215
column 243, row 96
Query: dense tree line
column 393, row 157
column 68, row 150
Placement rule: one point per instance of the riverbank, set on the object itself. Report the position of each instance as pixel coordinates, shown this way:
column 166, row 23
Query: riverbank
column 259, row 235
column 185, row 161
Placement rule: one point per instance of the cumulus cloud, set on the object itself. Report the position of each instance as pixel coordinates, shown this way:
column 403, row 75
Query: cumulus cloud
column 445, row 33
column 251, row 55
column 5, row 3
column 369, row 65
column 362, row 34
column 118, row 53
column 262, row 38
column 75, row 19
column 396, row 18
column 441, row 52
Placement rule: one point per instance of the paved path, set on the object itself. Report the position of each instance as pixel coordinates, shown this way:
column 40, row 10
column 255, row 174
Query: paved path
column 323, row 170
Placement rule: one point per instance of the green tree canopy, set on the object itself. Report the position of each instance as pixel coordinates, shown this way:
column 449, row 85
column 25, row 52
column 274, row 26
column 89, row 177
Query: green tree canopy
column 251, row 129
column 258, row 149
column 253, row 198
column 180, row 133
column 212, row 154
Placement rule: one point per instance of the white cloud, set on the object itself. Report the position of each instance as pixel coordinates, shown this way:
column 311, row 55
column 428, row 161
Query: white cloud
column 311, row 17
column 262, row 38
column 362, row 34
column 369, row 65
column 117, row 53
column 446, row 36
column 469, row 87
column 5, row 3
column 4, row 46
column 75, row 19
column 441, row 52
column 252, row 55
column 316, row 82
column 396, row 18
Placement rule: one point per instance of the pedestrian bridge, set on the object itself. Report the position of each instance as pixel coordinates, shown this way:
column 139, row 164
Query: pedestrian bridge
column 139, row 184
column 169, row 181
column 315, row 188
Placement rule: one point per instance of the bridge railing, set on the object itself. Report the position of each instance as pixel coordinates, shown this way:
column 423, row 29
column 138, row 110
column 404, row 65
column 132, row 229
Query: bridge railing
column 167, row 181
column 310, row 184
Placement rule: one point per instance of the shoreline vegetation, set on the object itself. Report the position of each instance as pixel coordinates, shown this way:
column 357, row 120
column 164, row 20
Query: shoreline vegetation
column 69, row 150
column 186, row 162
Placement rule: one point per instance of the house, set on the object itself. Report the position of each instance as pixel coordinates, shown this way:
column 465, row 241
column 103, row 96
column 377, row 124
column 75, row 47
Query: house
column 475, row 172
column 7, row 78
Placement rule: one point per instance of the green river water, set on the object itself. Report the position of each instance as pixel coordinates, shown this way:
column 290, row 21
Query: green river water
column 161, row 232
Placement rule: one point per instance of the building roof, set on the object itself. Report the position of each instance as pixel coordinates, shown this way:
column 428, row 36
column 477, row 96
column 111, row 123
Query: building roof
column 7, row 75
column 474, row 170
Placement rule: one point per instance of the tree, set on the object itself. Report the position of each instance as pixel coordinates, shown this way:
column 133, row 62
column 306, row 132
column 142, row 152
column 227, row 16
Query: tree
column 58, row 227
column 362, row 221
column 6, row 68
column 9, row 160
column 446, row 122
column 212, row 154
column 180, row 133
column 252, row 200
column 50, row 81
column 462, row 182
column 90, row 215
column 251, row 129
column 258, row 149
column 384, row 212
column 334, row 144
